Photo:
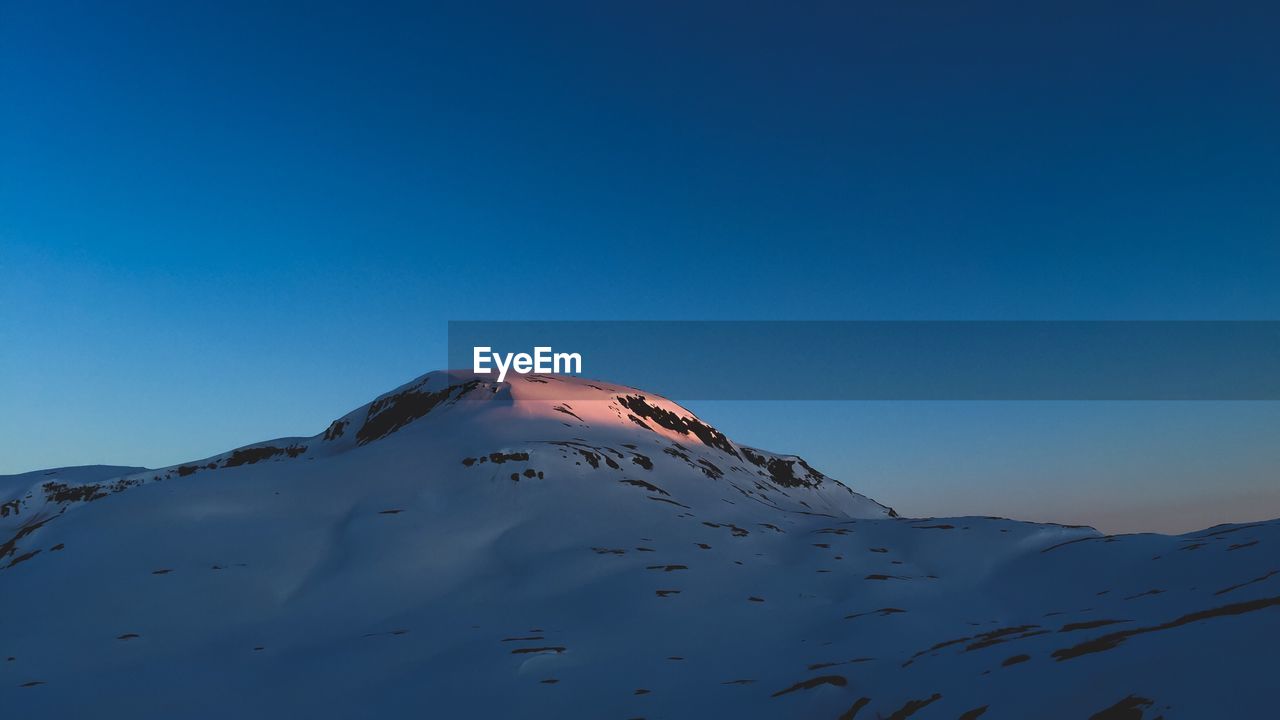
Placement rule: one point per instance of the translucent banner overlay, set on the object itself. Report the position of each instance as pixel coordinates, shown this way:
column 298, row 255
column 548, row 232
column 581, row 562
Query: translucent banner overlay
column 903, row 360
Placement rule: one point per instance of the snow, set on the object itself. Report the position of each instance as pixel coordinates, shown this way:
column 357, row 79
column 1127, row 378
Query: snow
column 378, row 574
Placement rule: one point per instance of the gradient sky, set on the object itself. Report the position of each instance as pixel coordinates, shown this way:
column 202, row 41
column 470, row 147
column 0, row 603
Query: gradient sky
column 225, row 222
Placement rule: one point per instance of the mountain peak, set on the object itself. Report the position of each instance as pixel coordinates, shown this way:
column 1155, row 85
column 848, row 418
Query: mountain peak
column 538, row 428
column 573, row 543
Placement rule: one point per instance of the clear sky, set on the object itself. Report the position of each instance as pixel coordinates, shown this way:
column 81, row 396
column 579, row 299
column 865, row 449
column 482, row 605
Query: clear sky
column 224, row 222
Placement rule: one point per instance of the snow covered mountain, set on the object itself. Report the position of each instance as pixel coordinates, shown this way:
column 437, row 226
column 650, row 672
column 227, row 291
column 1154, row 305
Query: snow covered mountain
column 551, row 547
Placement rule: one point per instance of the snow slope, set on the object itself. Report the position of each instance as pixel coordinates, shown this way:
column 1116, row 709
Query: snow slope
column 557, row 548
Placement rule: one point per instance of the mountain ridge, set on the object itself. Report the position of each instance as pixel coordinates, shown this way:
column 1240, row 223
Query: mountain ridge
column 550, row 547
column 399, row 408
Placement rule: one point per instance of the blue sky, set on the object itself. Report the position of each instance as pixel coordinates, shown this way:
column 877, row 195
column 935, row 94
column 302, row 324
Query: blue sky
column 233, row 221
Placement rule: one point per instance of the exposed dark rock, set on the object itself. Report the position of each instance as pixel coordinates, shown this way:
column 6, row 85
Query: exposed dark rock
column 394, row 412
column 335, row 430
column 914, row 706
column 646, row 485
column 1226, row 590
column 1130, row 708
column 1112, row 640
column 852, row 712
column 709, row 436
column 836, row 680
